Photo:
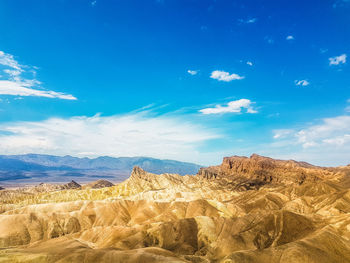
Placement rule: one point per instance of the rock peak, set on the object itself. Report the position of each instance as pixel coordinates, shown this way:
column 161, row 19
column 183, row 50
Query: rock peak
column 72, row 185
column 101, row 183
column 138, row 171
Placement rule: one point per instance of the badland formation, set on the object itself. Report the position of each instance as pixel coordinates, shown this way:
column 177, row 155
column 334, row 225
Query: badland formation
column 253, row 209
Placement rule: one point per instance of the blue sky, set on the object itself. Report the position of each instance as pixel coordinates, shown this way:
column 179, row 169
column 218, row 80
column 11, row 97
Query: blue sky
column 190, row 80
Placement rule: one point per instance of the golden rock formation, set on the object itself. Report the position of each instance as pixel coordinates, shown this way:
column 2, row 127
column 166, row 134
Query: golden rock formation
column 253, row 209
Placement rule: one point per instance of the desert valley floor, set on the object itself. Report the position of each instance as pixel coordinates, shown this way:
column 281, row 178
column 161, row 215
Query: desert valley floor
column 253, row 209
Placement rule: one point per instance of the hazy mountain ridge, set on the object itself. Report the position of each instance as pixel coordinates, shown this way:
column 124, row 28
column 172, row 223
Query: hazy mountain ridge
column 38, row 167
column 94, row 163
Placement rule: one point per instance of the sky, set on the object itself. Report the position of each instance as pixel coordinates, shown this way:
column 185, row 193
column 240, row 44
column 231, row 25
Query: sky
column 190, row 80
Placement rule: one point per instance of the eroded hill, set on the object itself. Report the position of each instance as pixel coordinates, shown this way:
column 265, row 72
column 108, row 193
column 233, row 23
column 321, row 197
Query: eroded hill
column 253, row 209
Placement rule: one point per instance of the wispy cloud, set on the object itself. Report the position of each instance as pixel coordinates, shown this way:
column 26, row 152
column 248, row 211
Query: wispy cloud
column 133, row 134
column 337, row 60
column 93, row 3
column 248, row 20
column 15, row 81
column 225, row 76
column 341, row 3
column 290, row 37
column 310, row 143
column 192, row 72
column 331, row 131
column 282, row 133
column 269, row 40
column 20, row 89
column 347, row 108
column 236, row 106
column 302, row 82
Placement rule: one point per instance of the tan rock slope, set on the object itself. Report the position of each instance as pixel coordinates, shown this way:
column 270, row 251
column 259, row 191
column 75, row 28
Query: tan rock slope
column 253, row 209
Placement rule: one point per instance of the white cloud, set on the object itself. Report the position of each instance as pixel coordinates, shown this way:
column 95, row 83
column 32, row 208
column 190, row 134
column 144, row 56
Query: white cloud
column 93, row 3
column 14, row 83
column 289, row 37
column 133, row 134
column 337, row 60
column 235, row 106
column 252, row 20
column 302, row 82
column 224, row 76
column 249, row 63
column 192, row 72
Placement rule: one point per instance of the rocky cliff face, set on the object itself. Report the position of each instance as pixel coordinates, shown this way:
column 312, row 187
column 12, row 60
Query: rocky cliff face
column 257, row 171
column 250, row 210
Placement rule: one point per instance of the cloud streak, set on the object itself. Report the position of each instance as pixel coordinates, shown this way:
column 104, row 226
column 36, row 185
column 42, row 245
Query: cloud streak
column 14, row 83
column 236, row 106
column 19, row 89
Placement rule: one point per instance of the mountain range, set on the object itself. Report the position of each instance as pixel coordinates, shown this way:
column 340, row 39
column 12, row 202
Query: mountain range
column 32, row 168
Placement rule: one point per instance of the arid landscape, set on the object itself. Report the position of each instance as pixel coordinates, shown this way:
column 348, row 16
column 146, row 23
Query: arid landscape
column 174, row 131
column 254, row 209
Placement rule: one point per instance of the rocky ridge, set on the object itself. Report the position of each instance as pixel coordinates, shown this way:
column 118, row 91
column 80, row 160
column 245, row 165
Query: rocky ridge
column 257, row 171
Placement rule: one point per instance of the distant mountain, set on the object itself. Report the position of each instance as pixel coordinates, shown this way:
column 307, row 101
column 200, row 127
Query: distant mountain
column 30, row 168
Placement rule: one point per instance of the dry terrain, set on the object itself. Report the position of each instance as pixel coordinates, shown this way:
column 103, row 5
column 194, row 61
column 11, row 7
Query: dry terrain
column 253, row 209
